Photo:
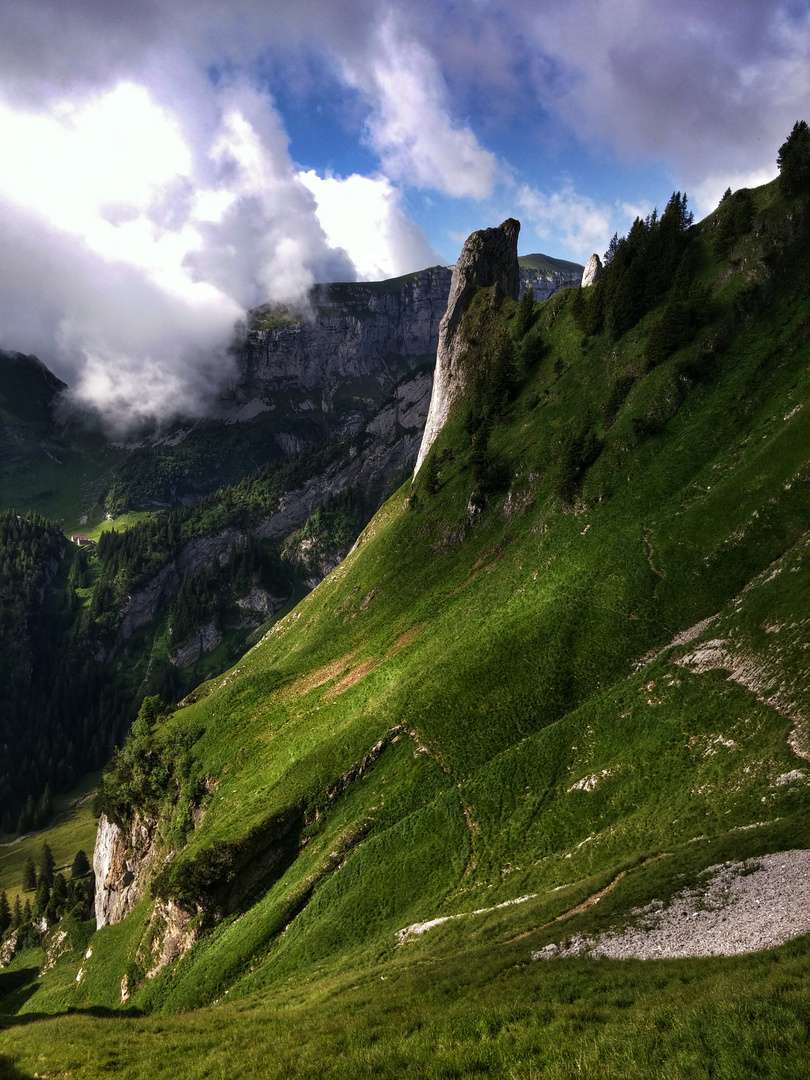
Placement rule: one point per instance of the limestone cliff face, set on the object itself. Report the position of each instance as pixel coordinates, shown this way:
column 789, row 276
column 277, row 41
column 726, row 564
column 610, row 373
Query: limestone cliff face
column 334, row 368
column 343, row 361
column 122, row 861
column 489, row 257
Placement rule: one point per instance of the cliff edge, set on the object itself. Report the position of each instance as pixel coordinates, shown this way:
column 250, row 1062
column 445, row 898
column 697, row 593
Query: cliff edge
column 489, row 257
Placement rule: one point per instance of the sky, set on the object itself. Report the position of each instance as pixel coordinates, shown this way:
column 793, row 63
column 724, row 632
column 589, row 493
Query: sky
column 167, row 166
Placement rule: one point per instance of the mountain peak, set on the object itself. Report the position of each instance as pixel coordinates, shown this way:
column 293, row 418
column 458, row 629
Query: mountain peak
column 489, row 257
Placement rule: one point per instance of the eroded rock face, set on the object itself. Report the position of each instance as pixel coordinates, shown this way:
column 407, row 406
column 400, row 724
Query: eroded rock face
column 122, row 860
column 176, row 933
column 489, row 257
column 203, row 641
column 592, row 271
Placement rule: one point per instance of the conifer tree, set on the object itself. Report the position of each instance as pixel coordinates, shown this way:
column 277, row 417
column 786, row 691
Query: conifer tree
column 793, row 160
column 17, row 917
column 29, row 875
column 47, row 865
column 80, row 865
column 5, row 912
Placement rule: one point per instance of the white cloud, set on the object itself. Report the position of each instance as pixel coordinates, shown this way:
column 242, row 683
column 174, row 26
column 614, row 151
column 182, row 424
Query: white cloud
column 129, row 246
column 410, row 125
column 707, row 194
column 363, row 216
column 568, row 219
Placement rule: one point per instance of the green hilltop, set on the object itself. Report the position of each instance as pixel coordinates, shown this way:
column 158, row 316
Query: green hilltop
column 568, row 663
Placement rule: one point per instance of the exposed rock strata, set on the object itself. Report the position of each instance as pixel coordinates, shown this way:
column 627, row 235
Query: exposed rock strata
column 489, row 257
column 122, row 860
column 176, row 933
column 343, row 361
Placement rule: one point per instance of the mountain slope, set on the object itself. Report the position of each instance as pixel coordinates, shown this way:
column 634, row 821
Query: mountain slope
column 570, row 656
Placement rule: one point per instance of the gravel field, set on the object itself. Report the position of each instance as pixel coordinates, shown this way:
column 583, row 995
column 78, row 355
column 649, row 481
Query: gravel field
column 741, row 908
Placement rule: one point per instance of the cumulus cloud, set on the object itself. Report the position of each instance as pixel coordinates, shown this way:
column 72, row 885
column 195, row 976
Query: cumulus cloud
column 363, row 216
column 148, row 193
column 129, row 253
column 573, row 218
column 410, row 125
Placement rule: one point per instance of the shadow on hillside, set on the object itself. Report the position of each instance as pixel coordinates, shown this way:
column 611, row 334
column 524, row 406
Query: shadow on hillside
column 11, row 1072
column 18, row 987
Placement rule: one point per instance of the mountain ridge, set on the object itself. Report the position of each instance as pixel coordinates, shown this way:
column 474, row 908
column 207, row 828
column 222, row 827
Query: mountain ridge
column 510, row 700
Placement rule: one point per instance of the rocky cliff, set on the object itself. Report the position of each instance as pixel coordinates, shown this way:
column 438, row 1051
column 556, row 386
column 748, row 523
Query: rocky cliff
column 342, row 360
column 338, row 363
column 489, row 257
column 122, row 862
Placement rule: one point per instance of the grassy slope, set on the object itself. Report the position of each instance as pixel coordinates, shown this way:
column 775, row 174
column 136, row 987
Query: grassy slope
column 499, row 661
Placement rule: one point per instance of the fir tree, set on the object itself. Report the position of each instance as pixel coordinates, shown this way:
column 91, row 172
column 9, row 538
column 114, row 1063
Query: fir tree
column 5, row 912
column 794, row 160
column 47, row 865
column 80, row 866
column 29, row 875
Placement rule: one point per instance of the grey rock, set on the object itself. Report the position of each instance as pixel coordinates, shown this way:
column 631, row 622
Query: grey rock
column 122, row 861
column 592, row 271
column 203, row 641
column 489, row 257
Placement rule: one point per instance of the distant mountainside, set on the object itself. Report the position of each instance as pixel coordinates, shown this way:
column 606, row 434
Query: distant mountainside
column 554, row 700
column 304, row 381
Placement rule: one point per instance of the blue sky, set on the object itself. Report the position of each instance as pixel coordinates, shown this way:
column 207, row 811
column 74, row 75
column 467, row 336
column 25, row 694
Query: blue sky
column 168, row 166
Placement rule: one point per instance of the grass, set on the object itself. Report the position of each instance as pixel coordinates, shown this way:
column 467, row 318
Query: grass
column 73, row 829
column 480, row 706
column 484, row 1012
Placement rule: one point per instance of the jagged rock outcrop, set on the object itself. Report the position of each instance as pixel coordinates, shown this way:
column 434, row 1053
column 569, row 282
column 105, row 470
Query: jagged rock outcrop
column 390, row 442
column 258, row 606
column 11, row 946
column 592, row 271
column 489, row 257
column 122, row 860
column 175, row 933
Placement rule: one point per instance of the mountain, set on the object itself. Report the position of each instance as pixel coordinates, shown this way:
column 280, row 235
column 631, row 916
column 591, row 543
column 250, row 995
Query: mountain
column 234, row 519
column 304, row 379
column 551, row 707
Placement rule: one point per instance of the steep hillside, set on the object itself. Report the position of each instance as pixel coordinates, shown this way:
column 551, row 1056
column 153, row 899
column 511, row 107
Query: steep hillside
column 566, row 664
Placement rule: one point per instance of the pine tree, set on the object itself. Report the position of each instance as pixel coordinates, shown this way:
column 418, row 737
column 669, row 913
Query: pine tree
column 29, row 876
column 17, row 917
column 59, row 896
column 525, row 314
column 794, row 160
column 5, row 912
column 80, row 866
column 42, row 898
column 47, row 865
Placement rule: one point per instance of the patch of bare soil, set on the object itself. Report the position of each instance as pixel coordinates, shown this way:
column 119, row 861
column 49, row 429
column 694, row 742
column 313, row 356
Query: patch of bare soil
column 321, row 676
column 741, row 908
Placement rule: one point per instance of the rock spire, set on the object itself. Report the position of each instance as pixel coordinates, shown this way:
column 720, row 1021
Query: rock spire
column 489, row 257
column 592, row 271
